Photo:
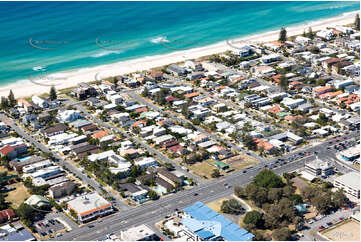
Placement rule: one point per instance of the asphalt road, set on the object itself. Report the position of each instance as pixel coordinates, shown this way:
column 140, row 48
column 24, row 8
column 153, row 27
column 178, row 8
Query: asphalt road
column 208, row 191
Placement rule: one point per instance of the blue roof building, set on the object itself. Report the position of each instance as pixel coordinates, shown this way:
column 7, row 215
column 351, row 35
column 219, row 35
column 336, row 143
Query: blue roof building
column 208, row 225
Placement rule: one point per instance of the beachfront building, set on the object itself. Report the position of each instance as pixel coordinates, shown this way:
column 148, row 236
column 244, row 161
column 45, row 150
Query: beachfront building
column 89, row 207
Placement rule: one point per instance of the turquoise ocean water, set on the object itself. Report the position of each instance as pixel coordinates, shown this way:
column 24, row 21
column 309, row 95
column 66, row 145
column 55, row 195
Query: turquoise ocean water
column 59, row 36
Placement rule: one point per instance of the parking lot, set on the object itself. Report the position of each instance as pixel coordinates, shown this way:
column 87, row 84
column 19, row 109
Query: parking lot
column 327, row 221
column 46, row 227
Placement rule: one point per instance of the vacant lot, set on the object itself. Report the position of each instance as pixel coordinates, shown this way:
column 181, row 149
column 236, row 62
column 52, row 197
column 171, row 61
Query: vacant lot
column 241, row 161
column 17, row 196
column 299, row 184
column 345, row 231
column 216, row 205
column 202, row 169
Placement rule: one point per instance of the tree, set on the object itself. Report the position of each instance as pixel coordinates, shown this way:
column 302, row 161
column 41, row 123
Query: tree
column 310, row 33
column 11, row 98
column 53, row 95
column 322, row 202
column 268, row 179
column 240, row 192
column 339, row 198
column 145, row 92
column 274, row 194
column 215, row 173
column 247, row 140
column 282, row 234
column 283, row 83
column 73, row 213
column 357, row 22
column 283, row 35
column 153, row 195
column 4, row 103
column 232, row 206
column 253, row 217
column 308, row 193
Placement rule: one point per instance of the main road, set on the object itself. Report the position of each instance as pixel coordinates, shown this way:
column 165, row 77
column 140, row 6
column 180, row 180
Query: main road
column 205, row 192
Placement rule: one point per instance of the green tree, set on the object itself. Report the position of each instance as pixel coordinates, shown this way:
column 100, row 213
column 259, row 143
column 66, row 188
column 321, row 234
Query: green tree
column 248, row 141
column 232, row 206
column 215, row 173
column 145, row 92
column 339, row 198
column 253, row 217
column 153, row 195
column 53, row 95
column 283, row 35
column 11, row 98
column 240, row 192
column 310, row 33
column 283, row 83
column 268, row 179
column 274, row 194
column 357, row 22
column 282, row 234
column 73, row 213
column 4, row 103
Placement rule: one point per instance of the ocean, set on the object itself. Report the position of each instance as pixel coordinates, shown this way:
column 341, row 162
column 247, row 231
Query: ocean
column 48, row 37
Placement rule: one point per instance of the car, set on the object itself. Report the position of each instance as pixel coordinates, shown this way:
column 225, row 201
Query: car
column 329, row 223
column 310, row 222
column 244, row 171
column 320, row 228
column 90, row 226
column 341, row 218
column 58, row 235
column 195, row 194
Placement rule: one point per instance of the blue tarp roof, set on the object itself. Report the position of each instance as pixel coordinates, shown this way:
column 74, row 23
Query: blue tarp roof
column 206, row 220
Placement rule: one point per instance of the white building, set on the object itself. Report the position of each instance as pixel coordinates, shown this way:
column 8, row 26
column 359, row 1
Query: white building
column 146, row 162
column 40, row 102
column 318, row 167
column 68, row 116
column 292, row 103
column 350, row 183
column 89, row 207
column 139, row 233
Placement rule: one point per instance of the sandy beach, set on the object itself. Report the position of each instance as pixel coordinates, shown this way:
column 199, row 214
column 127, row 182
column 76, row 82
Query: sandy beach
column 70, row 78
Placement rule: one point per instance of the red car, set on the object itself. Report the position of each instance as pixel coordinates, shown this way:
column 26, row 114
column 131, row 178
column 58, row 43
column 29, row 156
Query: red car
column 320, row 228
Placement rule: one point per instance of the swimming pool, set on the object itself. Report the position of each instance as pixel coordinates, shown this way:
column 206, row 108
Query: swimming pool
column 24, row 158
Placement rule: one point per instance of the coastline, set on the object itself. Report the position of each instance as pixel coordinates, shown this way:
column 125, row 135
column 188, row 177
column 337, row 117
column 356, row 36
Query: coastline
column 71, row 78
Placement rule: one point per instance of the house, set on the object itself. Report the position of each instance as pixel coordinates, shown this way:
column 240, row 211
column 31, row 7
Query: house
column 25, row 104
column 169, row 177
column 37, row 201
column 292, row 103
column 40, row 102
column 7, row 215
column 138, row 233
column 68, row 116
column 177, row 70
column 266, row 59
column 145, row 162
column 84, row 91
column 156, row 75
column 8, row 151
column 330, row 62
column 326, row 34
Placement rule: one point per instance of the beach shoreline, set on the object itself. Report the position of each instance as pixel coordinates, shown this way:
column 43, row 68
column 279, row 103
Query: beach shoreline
column 71, row 78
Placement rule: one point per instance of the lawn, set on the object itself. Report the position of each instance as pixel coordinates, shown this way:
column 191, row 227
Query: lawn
column 216, row 205
column 17, row 196
column 348, row 230
column 202, row 169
